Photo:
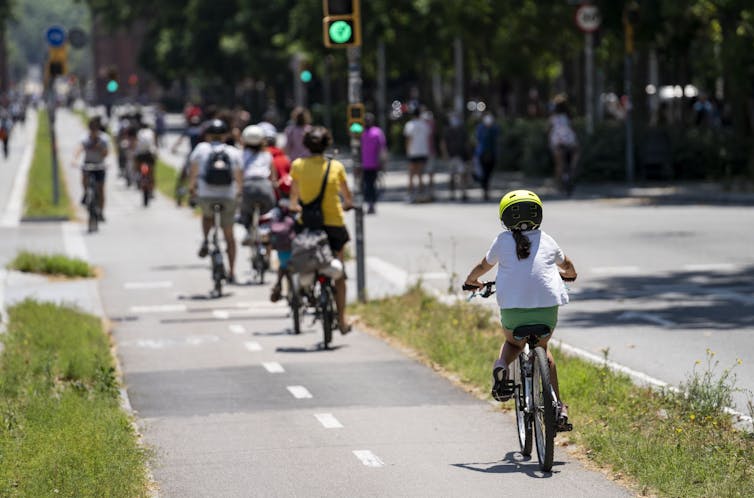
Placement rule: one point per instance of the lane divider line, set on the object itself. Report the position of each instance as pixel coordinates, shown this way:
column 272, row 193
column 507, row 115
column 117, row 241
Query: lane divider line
column 220, row 314
column 147, row 285
column 368, row 458
column 158, row 308
column 237, row 328
column 299, row 392
column 273, row 367
column 14, row 207
column 252, row 346
column 328, row 421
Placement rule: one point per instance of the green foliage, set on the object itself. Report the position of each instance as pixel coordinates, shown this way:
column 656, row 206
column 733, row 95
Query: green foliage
column 63, row 432
column 31, row 18
column 51, row 264
column 39, row 202
column 665, row 446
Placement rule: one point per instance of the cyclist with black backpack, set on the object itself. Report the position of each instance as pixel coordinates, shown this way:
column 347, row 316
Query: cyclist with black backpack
column 216, row 178
column 316, row 189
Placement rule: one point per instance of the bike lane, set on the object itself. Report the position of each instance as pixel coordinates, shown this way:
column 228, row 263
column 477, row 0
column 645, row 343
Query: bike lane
column 235, row 405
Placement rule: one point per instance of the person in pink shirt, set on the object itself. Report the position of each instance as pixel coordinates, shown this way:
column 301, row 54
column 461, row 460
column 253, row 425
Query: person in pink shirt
column 373, row 155
column 294, row 134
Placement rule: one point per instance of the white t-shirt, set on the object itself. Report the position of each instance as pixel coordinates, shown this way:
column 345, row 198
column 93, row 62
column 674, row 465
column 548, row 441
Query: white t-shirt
column 93, row 149
column 200, row 155
column 256, row 164
column 145, row 141
column 533, row 282
column 418, row 131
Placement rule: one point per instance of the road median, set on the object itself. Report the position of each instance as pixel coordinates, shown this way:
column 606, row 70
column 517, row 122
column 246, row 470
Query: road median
column 64, row 432
column 659, row 441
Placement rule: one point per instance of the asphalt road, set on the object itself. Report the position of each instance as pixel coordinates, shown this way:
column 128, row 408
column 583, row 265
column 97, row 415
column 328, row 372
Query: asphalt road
column 235, row 405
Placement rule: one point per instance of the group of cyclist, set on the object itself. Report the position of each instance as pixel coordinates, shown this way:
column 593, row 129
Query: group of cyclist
column 257, row 175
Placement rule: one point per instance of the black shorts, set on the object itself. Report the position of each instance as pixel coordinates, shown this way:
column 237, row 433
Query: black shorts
column 337, row 237
column 99, row 175
column 417, row 159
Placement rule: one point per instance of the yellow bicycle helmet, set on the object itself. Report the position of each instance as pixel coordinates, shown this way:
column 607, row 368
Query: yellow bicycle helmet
column 520, row 210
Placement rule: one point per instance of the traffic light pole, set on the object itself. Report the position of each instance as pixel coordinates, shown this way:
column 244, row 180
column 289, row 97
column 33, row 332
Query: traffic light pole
column 53, row 142
column 354, row 97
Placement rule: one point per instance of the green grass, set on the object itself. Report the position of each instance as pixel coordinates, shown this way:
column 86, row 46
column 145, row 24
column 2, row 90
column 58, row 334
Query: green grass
column 39, row 201
column 660, row 440
column 63, row 432
column 51, row 264
column 165, row 178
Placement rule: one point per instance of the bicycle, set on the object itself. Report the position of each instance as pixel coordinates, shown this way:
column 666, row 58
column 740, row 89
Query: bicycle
column 536, row 405
column 91, row 196
column 567, row 176
column 216, row 256
column 316, row 291
column 146, row 181
column 258, row 240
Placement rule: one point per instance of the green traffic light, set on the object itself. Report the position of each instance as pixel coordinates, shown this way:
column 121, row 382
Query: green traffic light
column 112, row 86
column 306, row 76
column 340, row 32
column 356, row 128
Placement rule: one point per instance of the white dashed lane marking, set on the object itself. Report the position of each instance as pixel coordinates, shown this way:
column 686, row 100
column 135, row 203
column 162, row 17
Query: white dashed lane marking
column 299, row 392
column 221, row 314
column 368, row 458
column 237, row 328
column 328, row 421
column 159, row 308
column 252, row 346
column 273, row 367
column 147, row 285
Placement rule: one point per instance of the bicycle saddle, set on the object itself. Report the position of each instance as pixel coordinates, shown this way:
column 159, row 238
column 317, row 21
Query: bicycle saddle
column 524, row 331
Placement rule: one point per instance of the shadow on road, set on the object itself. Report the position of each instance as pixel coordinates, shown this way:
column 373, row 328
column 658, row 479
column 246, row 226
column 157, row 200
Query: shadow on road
column 513, row 463
column 316, row 348
column 685, row 300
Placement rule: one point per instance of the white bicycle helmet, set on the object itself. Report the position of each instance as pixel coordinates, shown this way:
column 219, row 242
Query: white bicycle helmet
column 252, row 135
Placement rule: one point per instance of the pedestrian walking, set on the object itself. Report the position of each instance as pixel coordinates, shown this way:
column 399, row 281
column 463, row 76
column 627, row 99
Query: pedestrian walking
column 373, row 157
column 294, row 134
column 456, row 149
column 160, row 126
column 417, row 133
column 486, row 151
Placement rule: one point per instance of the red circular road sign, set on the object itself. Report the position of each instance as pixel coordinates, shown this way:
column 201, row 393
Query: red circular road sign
column 588, row 18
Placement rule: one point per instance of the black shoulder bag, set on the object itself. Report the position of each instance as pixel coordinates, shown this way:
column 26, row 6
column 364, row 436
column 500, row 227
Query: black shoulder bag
column 312, row 216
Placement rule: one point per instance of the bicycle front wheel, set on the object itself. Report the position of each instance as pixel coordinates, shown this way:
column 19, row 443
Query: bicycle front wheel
column 523, row 419
column 544, row 409
column 91, row 201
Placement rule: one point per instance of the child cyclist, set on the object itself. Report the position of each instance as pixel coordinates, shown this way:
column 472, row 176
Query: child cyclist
column 530, row 273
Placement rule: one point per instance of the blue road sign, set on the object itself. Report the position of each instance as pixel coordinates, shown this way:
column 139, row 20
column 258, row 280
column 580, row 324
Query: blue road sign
column 55, row 36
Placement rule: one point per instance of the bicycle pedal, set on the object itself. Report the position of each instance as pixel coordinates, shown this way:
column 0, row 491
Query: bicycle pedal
column 564, row 427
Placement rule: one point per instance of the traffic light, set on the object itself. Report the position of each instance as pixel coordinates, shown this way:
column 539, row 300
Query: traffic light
column 341, row 25
column 305, row 71
column 112, row 80
column 57, row 61
column 355, row 118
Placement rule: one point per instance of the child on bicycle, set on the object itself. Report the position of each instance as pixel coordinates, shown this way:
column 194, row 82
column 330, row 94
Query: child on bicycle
column 530, row 274
column 282, row 234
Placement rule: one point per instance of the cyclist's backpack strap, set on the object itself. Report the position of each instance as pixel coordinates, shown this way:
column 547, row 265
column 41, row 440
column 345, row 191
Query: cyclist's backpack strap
column 312, row 215
column 218, row 170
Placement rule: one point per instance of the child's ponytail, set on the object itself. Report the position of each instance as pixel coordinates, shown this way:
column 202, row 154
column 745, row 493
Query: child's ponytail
column 523, row 246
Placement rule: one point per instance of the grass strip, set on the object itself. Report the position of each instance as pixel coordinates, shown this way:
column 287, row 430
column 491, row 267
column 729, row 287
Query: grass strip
column 51, row 264
column 661, row 440
column 165, row 178
column 39, row 191
column 63, row 432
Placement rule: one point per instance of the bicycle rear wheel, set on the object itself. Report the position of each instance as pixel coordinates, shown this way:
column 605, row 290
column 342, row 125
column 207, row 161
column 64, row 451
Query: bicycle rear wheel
column 91, row 204
column 523, row 419
column 326, row 300
column 294, row 301
column 544, row 409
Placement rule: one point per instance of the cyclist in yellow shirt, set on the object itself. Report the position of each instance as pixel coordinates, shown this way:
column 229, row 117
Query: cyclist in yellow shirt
column 307, row 174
